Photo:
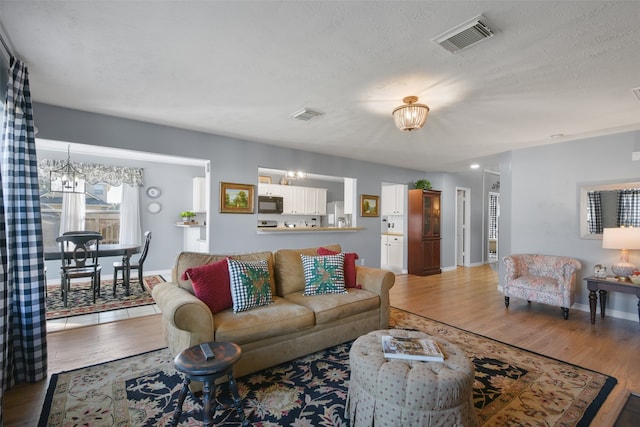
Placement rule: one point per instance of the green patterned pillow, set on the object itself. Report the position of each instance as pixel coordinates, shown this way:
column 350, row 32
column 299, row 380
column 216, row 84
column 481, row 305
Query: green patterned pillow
column 249, row 284
column 323, row 274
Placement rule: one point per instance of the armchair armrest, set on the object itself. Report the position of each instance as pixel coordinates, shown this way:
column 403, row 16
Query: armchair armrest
column 512, row 268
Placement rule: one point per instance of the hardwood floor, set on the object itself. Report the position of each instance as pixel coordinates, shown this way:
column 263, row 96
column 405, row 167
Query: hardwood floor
column 75, row 348
column 466, row 298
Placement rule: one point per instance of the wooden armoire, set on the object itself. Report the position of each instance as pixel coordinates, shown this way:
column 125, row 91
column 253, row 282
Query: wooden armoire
column 423, row 248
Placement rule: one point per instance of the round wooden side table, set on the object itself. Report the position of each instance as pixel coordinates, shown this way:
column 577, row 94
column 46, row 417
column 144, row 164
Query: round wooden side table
column 196, row 366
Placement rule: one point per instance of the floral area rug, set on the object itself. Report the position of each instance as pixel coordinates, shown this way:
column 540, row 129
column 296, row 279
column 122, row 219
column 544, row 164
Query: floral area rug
column 512, row 387
column 80, row 298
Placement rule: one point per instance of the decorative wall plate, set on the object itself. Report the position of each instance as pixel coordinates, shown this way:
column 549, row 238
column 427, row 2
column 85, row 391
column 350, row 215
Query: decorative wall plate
column 154, row 207
column 153, row 192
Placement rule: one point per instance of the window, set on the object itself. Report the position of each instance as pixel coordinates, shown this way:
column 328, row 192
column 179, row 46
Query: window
column 97, row 193
column 102, row 204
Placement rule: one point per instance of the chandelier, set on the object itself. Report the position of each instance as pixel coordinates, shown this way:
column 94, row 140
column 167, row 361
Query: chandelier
column 410, row 116
column 66, row 178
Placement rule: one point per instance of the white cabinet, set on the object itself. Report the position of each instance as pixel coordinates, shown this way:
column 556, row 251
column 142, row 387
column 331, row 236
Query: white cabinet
column 199, row 194
column 270, row 190
column 293, row 200
column 303, row 200
column 391, row 252
column 315, row 201
column 393, row 197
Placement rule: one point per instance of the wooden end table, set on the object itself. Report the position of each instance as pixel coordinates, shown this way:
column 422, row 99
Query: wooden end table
column 195, row 365
column 604, row 285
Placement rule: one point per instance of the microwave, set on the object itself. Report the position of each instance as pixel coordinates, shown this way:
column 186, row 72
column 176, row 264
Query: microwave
column 270, row 204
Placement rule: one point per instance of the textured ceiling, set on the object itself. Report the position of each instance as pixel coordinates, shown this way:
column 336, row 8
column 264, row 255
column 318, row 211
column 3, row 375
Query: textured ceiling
column 240, row 68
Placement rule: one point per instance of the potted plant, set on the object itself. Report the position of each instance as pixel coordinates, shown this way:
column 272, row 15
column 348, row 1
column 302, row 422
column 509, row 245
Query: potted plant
column 423, row 184
column 188, row 217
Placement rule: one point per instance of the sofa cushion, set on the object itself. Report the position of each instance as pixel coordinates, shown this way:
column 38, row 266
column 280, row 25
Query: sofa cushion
column 288, row 268
column 250, row 284
column 211, row 284
column 187, row 260
column 331, row 307
column 280, row 318
column 323, row 274
column 350, row 272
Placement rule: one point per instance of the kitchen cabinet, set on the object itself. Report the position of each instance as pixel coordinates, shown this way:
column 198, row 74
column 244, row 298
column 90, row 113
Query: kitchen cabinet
column 392, row 252
column 393, row 197
column 303, row 200
column 293, row 200
column 270, row 190
column 315, row 201
column 199, row 194
column 423, row 232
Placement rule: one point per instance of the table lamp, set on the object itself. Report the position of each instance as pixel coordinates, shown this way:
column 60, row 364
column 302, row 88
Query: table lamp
column 623, row 238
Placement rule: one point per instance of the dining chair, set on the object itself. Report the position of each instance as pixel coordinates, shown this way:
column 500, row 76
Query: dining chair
column 79, row 258
column 136, row 265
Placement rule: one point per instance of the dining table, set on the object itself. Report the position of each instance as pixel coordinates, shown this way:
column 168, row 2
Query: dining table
column 104, row 250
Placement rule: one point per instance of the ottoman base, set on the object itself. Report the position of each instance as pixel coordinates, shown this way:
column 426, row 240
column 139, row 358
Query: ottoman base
column 399, row 392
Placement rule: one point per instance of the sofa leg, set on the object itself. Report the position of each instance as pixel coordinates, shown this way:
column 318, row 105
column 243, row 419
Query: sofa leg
column 506, row 302
column 565, row 313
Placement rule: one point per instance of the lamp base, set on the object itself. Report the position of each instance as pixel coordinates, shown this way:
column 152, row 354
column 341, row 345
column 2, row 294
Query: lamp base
column 623, row 269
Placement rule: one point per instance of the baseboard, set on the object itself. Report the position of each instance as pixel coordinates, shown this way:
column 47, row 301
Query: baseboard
column 609, row 313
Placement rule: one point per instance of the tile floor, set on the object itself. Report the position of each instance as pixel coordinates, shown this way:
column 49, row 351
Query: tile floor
column 66, row 323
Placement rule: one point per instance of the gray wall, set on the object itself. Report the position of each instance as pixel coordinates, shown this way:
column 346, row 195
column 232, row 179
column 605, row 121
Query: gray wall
column 540, row 202
column 538, row 194
column 232, row 160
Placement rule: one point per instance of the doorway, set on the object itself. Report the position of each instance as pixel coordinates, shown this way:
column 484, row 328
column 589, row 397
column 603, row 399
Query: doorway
column 463, row 229
column 492, row 226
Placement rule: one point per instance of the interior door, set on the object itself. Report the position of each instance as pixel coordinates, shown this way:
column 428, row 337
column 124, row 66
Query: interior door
column 462, row 231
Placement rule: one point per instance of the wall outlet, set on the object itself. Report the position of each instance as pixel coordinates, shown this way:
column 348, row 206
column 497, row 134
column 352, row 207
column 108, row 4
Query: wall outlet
column 361, row 261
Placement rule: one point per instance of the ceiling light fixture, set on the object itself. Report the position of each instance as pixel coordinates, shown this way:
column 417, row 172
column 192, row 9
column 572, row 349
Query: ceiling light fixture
column 410, row 116
column 66, row 178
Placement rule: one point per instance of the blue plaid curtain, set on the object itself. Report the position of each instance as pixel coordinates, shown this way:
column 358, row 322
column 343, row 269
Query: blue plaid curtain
column 23, row 344
column 628, row 208
column 594, row 212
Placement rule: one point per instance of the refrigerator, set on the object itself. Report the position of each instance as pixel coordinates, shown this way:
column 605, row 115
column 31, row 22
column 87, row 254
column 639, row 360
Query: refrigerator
column 335, row 210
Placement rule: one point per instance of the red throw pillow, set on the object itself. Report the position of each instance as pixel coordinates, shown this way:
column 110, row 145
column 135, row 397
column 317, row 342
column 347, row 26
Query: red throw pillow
column 211, row 285
column 349, row 267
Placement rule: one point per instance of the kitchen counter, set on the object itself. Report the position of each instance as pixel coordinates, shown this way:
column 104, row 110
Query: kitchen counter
column 392, row 234
column 271, row 230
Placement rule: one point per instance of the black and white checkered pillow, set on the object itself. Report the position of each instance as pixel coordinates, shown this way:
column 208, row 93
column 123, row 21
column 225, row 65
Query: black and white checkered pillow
column 249, row 284
column 323, row 274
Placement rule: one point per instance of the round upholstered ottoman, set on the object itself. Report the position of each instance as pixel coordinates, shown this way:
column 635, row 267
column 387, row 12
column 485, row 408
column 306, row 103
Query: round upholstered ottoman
column 395, row 392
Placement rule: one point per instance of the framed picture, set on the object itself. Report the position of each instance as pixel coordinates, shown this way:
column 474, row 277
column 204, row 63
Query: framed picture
column 369, row 205
column 262, row 179
column 236, row 198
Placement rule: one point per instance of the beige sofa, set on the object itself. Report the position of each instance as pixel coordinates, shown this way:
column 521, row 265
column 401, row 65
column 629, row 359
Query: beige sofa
column 293, row 326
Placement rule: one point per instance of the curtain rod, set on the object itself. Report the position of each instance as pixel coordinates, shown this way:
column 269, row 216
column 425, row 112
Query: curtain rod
column 5, row 46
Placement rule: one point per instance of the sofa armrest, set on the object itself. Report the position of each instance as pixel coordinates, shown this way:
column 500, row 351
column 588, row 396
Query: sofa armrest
column 380, row 282
column 185, row 312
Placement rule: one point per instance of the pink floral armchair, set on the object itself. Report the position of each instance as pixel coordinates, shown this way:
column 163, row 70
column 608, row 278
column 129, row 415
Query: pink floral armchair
column 548, row 279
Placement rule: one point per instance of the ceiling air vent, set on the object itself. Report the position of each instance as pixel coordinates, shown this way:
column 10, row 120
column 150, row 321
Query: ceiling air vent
column 465, row 34
column 305, row 114
column 636, row 92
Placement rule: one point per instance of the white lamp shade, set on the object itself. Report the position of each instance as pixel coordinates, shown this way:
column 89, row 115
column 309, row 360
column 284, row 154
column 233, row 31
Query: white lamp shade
column 621, row 238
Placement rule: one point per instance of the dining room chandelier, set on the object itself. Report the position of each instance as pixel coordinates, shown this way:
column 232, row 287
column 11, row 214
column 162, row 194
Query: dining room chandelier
column 410, row 116
column 67, row 178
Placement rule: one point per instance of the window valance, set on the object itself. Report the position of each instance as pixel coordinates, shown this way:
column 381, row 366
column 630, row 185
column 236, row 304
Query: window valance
column 95, row 172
